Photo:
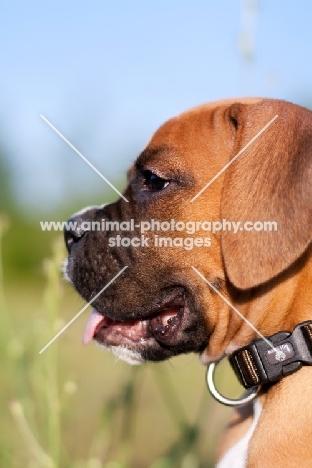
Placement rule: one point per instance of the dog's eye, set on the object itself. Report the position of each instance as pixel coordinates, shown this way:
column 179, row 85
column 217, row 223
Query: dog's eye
column 153, row 182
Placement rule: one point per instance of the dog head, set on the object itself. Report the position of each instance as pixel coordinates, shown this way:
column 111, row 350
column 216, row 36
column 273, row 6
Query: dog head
column 159, row 306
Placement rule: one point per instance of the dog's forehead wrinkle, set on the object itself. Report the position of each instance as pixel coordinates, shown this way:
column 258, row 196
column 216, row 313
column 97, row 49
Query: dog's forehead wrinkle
column 152, row 153
column 218, row 283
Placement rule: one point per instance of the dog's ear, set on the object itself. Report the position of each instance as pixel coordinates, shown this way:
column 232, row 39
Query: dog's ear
column 270, row 181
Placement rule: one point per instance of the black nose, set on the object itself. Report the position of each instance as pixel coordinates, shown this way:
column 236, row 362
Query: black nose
column 74, row 231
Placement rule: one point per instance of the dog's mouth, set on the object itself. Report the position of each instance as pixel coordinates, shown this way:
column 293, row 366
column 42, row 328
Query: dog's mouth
column 164, row 326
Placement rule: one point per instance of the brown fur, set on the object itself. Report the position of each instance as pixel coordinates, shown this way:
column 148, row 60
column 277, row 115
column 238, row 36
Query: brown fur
column 266, row 275
column 269, row 274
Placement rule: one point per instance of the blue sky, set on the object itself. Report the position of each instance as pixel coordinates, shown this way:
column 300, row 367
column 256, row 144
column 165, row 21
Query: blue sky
column 107, row 74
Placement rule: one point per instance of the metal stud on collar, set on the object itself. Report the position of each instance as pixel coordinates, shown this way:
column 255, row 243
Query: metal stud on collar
column 249, row 396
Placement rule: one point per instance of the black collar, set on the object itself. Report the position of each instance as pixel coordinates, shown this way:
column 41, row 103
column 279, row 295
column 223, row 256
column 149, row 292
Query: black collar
column 259, row 363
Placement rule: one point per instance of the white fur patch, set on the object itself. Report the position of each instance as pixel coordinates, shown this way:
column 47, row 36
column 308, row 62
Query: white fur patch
column 232, row 348
column 122, row 352
column 64, row 270
column 206, row 359
column 236, row 457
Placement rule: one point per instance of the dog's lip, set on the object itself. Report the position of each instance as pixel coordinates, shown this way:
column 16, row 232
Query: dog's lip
column 98, row 321
column 161, row 325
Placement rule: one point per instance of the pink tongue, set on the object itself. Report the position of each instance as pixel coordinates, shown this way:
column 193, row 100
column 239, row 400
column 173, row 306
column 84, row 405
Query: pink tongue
column 94, row 320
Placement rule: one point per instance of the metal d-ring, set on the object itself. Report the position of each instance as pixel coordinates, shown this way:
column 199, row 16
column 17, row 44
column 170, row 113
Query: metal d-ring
column 249, row 396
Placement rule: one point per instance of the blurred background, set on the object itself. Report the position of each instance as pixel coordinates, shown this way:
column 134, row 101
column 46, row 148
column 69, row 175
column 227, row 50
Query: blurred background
column 107, row 74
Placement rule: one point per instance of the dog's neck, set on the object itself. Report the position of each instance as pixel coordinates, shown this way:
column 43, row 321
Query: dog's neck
column 273, row 307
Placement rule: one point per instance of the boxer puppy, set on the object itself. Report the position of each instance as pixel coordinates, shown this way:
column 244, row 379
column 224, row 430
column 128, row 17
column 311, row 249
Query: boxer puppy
column 160, row 307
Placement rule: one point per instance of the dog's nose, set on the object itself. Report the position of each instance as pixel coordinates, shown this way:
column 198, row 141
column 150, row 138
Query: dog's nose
column 74, row 231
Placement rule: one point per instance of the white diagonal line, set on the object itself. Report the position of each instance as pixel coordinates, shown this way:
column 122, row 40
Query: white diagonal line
column 82, row 310
column 83, row 157
column 233, row 159
column 235, row 310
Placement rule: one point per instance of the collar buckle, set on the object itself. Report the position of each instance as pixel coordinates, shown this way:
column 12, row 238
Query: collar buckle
column 258, row 363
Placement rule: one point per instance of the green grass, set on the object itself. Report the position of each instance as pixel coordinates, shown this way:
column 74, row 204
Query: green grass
column 77, row 407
